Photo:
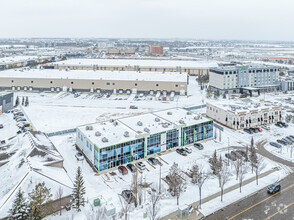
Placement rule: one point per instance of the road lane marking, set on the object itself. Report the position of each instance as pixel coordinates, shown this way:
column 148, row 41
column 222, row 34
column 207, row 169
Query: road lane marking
column 279, row 211
column 260, row 202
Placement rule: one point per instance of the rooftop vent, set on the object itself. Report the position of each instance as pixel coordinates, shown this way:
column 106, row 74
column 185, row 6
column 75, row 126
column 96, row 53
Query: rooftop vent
column 104, row 140
column 169, row 113
column 112, row 120
column 197, row 117
column 147, row 130
column 157, row 119
column 115, row 123
column 89, row 127
column 139, row 123
column 97, row 133
column 127, row 134
column 165, row 125
column 182, row 121
column 189, row 113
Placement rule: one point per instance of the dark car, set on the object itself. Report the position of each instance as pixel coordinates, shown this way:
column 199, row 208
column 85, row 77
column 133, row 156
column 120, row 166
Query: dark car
column 127, row 195
column 153, row 161
column 279, row 125
column 123, row 170
column 254, row 130
column 181, row 151
column 236, row 154
column 275, row 144
column 287, row 141
column 198, row 146
column 285, row 125
column 274, row 188
column 230, row 156
column 281, row 142
column 291, row 136
column 248, row 131
column 1, row 126
column 131, row 167
column 241, row 152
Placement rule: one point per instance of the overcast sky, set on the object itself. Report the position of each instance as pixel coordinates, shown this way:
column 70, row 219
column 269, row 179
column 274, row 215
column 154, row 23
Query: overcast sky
column 205, row 19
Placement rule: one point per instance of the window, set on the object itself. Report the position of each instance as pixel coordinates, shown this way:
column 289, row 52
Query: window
column 32, row 81
column 71, row 82
column 113, row 84
column 136, row 84
column 12, row 81
column 157, row 84
column 51, row 82
column 92, row 83
column 108, row 83
column 177, row 85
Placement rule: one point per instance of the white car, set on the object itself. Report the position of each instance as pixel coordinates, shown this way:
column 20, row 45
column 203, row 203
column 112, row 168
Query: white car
column 265, row 127
column 187, row 150
column 141, row 166
column 79, row 156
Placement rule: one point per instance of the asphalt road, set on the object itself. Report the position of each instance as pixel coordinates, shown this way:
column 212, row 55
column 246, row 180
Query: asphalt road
column 261, row 205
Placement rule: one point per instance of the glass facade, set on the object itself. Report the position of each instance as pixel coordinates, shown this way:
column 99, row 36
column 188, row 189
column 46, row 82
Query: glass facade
column 118, row 154
column 198, row 132
column 153, row 144
column 172, row 139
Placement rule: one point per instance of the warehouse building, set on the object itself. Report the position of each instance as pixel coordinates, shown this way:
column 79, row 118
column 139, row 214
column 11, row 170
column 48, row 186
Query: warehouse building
column 232, row 78
column 94, row 81
column 23, row 61
column 120, row 141
column 191, row 67
column 238, row 115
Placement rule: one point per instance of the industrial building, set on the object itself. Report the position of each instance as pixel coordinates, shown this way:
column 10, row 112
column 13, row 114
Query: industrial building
column 23, row 61
column 239, row 115
column 6, row 101
column 192, row 67
column 156, row 50
column 238, row 78
column 119, row 141
column 120, row 51
column 126, row 82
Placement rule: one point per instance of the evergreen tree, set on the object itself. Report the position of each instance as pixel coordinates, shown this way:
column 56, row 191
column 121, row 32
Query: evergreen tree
column 39, row 196
column 27, row 101
column 79, row 191
column 23, row 101
column 17, row 101
column 20, row 207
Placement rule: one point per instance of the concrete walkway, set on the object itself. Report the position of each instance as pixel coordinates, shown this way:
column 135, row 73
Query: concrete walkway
column 194, row 215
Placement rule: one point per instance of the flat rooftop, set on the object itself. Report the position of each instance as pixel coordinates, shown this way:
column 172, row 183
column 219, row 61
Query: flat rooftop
column 137, row 62
column 181, row 117
column 4, row 60
column 147, row 124
column 95, row 75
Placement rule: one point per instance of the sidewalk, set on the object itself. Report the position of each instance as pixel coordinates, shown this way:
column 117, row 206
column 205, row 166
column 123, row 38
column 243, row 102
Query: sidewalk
column 194, row 215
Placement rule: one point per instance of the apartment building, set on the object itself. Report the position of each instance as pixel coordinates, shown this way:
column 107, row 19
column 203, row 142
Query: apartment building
column 237, row 115
column 156, row 50
column 232, row 78
column 120, row 141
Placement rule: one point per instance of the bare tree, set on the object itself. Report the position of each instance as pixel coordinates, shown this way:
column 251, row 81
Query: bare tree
column 154, row 205
column 134, row 187
column 237, row 165
column 219, row 167
column 214, row 163
column 140, row 191
column 259, row 166
column 224, row 177
column 125, row 207
column 96, row 213
column 246, row 153
column 242, row 172
column 58, row 196
column 177, row 183
column 220, row 136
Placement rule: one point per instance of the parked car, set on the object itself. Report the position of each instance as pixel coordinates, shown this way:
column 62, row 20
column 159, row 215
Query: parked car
column 133, row 107
column 230, row 156
column 291, row 136
column 198, row 146
column 259, row 129
column 236, row 154
column 241, row 152
column 279, row 125
column 20, row 119
column 187, row 150
column 281, row 142
column 17, row 116
column 1, row 126
column 285, row 125
column 141, row 166
column 254, row 130
column 265, row 127
column 167, row 178
column 274, row 188
column 181, row 152
column 123, row 170
column 287, row 141
column 24, row 129
column 127, row 195
column 248, row 131
column 153, row 161
column 131, row 167
column 79, row 156
column 275, row 144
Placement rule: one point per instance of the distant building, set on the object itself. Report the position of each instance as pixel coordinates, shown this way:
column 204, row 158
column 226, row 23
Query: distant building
column 156, row 50
column 237, row 78
column 120, row 141
column 238, row 115
column 120, row 51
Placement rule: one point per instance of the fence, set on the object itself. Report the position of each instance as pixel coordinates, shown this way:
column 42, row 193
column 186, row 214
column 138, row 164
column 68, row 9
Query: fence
column 56, row 133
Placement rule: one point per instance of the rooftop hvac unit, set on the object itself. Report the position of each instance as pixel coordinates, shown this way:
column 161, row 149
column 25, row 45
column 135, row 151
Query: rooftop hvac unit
column 127, row 134
column 165, row 125
column 97, row 133
column 157, row 119
column 147, row 130
column 189, row 113
column 115, row 123
column 89, row 127
column 112, row 120
column 139, row 123
column 104, row 140
column 169, row 113
column 182, row 121
column 197, row 117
